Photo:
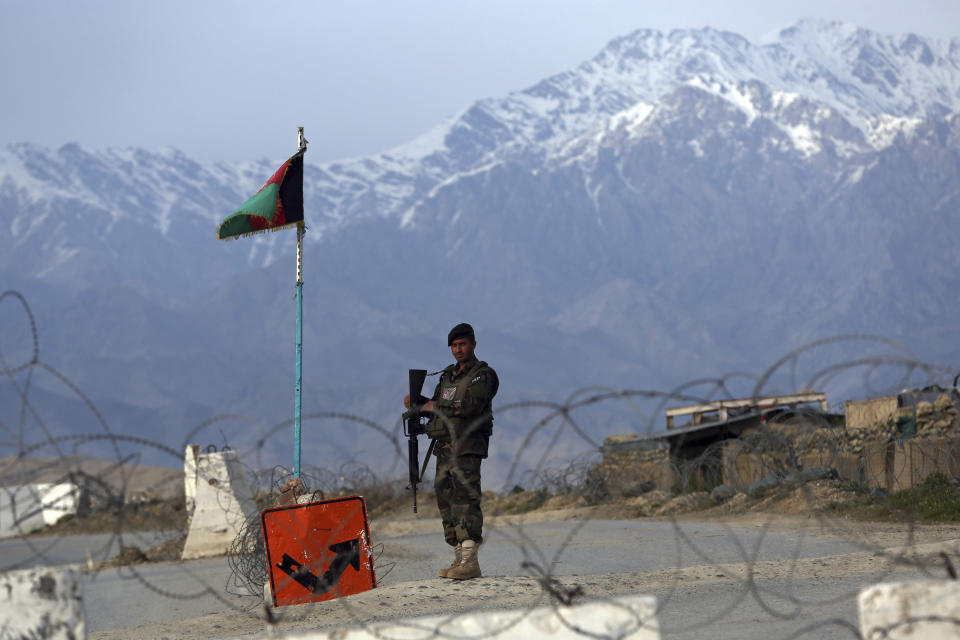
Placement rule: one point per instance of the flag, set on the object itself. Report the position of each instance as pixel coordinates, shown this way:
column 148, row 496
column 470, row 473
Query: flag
column 278, row 204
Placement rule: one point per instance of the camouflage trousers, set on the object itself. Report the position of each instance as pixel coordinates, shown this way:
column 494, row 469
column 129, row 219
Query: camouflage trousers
column 457, row 484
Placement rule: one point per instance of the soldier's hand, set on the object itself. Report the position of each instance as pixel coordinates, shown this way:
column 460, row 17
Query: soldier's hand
column 418, row 411
column 422, row 401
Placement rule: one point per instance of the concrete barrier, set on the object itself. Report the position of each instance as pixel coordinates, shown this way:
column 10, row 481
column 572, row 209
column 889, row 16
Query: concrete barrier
column 41, row 604
column 620, row 618
column 223, row 505
column 26, row 507
column 926, row 609
column 190, row 458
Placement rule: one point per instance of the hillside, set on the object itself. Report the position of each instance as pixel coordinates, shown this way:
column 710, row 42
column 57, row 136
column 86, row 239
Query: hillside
column 680, row 206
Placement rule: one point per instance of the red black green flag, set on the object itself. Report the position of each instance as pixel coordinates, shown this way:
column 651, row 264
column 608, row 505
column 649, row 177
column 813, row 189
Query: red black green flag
column 278, row 204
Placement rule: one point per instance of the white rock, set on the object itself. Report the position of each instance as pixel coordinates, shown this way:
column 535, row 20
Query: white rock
column 43, row 604
column 927, row 610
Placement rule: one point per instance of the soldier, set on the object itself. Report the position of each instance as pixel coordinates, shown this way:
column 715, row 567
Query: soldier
column 461, row 423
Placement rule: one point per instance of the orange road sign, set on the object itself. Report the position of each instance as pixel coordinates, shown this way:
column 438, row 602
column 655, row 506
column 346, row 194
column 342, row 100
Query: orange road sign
column 318, row 551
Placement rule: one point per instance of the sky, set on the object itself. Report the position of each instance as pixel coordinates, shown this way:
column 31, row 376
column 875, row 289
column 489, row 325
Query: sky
column 231, row 80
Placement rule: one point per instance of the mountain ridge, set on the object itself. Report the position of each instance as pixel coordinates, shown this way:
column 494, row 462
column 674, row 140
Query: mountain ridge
column 622, row 240
column 641, row 67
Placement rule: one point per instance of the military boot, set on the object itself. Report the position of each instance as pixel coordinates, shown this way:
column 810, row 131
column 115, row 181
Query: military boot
column 468, row 567
column 457, row 552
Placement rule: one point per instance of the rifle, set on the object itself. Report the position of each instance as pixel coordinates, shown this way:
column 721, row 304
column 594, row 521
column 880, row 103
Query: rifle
column 412, row 428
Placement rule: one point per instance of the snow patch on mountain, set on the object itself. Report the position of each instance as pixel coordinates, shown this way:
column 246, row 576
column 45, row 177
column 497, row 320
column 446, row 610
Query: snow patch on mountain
column 59, row 256
column 826, row 86
column 882, row 130
column 881, row 85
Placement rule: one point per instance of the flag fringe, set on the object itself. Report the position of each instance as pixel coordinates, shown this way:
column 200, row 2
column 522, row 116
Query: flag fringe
column 258, row 232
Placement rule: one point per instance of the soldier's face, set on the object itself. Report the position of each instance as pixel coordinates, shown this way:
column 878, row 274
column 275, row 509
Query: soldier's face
column 462, row 349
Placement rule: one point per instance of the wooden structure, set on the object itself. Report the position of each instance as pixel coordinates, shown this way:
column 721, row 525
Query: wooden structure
column 722, row 408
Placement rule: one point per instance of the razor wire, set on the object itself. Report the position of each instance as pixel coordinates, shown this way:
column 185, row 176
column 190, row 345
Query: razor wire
column 796, row 453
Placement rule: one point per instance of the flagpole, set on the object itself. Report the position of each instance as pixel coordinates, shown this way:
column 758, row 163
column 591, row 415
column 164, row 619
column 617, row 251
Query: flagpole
column 301, row 228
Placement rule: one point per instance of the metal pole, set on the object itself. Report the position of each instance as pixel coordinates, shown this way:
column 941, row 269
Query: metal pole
column 299, row 383
column 301, row 144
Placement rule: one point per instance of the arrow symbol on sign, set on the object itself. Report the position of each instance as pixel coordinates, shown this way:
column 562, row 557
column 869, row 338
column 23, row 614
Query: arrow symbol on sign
column 347, row 554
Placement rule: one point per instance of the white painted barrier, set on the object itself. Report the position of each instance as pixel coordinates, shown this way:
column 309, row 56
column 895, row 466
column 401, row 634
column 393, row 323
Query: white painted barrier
column 41, row 604
column 223, row 504
column 620, row 618
column 26, row 507
column 922, row 610
column 190, row 476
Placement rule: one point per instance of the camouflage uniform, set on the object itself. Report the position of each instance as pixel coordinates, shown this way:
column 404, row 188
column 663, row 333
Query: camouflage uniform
column 461, row 425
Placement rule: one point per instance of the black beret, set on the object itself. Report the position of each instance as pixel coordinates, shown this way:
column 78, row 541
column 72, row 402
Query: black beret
column 462, row 330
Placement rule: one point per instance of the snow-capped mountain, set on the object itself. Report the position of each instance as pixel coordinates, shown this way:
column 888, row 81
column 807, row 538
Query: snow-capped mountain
column 683, row 204
column 820, row 79
column 819, row 74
